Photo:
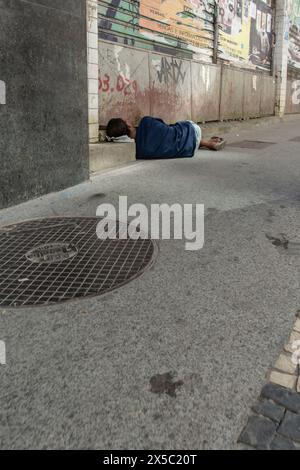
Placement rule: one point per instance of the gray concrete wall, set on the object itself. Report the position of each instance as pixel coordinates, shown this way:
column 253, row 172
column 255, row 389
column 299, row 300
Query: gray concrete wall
column 43, row 117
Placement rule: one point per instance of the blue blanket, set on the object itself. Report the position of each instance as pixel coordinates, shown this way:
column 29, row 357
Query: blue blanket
column 155, row 139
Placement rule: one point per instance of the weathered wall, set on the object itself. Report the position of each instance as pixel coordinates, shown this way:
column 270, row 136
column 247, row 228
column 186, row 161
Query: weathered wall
column 293, row 97
column 187, row 29
column 246, row 94
column 166, row 59
column 43, row 125
column 135, row 83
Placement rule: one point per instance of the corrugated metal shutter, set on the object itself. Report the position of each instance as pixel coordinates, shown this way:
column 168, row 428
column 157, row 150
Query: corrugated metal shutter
column 184, row 28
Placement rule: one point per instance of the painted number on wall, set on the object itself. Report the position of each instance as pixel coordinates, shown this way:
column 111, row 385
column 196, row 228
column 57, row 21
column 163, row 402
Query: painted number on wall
column 123, row 85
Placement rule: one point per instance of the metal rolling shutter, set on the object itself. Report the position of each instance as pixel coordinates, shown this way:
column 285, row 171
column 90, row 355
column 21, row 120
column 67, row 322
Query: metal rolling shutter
column 184, row 28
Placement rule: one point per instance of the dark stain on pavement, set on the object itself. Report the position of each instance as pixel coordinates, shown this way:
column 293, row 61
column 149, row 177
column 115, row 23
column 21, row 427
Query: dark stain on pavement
column 97, row 196
column 164, row 383
column 280, row 240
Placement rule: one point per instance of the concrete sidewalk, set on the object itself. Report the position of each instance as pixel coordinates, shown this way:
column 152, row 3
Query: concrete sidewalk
column 78, row 374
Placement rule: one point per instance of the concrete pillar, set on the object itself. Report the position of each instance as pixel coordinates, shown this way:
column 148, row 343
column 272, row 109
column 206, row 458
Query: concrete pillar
column 281, row 55
column 92, row 42
column 43, row 98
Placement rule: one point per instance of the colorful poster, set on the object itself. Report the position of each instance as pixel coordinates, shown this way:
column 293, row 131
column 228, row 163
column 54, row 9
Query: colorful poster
column 260, row 47
column 246, row 32
column 181, row 19
column 234, row 18
column 184, row 27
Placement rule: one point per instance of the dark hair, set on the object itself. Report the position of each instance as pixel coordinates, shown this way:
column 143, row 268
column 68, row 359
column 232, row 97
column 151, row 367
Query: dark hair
column 116, row 128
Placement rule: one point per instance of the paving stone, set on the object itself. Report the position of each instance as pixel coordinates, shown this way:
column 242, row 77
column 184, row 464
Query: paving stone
column 297, row 325
column 282, row 443
column 286, row 380
column 269, row 410
column 285, row 364
column 259, row 432
column 282, row 396
column 295, row 336
column 290, row 426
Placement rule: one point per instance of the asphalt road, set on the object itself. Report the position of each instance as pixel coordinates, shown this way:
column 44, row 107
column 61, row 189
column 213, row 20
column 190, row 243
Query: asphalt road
column 81, row 374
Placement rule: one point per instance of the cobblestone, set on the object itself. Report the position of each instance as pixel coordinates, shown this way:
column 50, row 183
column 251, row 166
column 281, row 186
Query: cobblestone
column 295, row 336
column 259, row 432
column 290, row 426
column 284, row 363
column 286, row 380
column 275, row 422
column 282, row 396
column 269, row 410
column 297, row 325
column 281, row 443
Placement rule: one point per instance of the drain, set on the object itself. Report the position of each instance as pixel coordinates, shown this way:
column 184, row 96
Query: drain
column 47, row 261
column 251, row 144
column 51, row 253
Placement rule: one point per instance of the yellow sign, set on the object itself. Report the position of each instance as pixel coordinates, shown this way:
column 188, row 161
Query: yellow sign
column 235, row 19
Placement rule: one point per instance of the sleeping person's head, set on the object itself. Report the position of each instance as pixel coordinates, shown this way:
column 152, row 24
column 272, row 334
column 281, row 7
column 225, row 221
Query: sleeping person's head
column 117, row 127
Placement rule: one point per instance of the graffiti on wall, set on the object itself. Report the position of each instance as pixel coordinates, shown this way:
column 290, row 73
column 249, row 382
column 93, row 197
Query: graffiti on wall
column 135, row 83
column 122, row 82
column 294, row 33
column 246, row 32
column 171, row 71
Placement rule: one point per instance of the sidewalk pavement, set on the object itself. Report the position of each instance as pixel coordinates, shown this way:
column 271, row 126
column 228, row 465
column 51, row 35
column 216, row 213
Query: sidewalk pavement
column 81, row 374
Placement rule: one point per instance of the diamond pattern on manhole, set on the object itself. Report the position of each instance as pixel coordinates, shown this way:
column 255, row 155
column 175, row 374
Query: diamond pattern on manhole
column 295, row 139
column 47, row 261
column 251, row 144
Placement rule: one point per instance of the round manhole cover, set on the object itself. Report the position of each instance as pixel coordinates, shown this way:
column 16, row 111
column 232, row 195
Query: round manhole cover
column 47, row 261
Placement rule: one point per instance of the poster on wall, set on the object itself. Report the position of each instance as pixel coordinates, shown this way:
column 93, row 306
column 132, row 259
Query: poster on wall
column 294, row 33
column 185, row 27
column 235, row 21
column 246, row 32
column 260, row 40
column 189, row 21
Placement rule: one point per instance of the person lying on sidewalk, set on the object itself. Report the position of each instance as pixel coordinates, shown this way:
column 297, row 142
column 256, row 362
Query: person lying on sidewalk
column 156, row 139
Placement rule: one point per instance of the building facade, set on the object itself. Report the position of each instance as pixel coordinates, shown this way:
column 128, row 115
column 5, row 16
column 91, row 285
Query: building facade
column 205, row 60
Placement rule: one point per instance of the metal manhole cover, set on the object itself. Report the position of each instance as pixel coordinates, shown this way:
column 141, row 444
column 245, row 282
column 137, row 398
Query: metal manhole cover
column 251, row 144
column 47, row 261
